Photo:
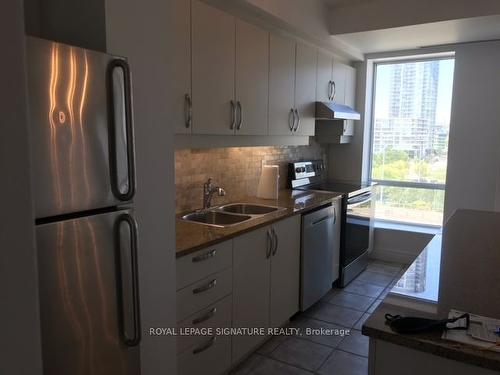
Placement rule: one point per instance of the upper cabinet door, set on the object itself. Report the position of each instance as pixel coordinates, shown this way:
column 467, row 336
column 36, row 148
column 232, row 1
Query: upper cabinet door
column 339, row 73
column 281, row 85
column 324, row 77
column 213, row 51
column 350, row 86
column 350, row 96
column 305, row 89
column 180, row 65
column 252, row 79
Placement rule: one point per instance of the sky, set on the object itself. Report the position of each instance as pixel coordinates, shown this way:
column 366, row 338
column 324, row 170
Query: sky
column 445, row 88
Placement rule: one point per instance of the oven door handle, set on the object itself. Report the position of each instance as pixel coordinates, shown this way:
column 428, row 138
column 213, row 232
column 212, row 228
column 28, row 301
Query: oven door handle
column 359, row 199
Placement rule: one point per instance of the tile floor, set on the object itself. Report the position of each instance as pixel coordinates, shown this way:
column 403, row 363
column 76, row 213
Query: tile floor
column 344, row 310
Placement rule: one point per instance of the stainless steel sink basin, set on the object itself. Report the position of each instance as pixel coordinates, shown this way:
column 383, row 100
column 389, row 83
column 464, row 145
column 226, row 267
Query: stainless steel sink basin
column 216, row 218
column 248, row 208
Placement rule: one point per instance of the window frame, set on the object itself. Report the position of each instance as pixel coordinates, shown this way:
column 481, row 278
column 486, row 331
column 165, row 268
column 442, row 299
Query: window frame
column 397, row 183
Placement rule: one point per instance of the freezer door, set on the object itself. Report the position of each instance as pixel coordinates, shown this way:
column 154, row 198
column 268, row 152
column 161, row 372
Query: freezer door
column 80, row 112
column 89, row 303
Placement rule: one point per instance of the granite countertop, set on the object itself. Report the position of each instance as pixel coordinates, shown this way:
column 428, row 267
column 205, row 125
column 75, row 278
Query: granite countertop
column 192, row 236
column 457, row 270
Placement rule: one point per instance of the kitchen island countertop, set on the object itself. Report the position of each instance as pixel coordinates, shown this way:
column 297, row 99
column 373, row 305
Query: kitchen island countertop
column 457, row 270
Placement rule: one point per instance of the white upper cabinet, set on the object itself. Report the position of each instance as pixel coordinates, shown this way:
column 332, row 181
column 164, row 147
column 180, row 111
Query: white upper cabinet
column 252, row 79
column 235, row 78
column 281, row 85
column 338, row 82
column 305, row 89
column 180, row 65
column 331, row 79
column 350, row 97
column 213, row 70
column 324, row 77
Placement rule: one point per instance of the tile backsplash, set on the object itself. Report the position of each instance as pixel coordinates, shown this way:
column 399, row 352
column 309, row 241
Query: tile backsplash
column 236, row 169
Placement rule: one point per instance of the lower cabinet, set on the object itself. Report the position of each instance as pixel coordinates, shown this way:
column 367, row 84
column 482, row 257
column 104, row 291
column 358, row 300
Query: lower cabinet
column 251, row 270
column 285, row 271
column 252, row 281
column 204, row 302
column 211, row 357
column 266, row 280
column 206, row 355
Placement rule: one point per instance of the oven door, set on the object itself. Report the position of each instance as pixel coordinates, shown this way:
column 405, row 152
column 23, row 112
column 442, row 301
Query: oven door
column 357, row 231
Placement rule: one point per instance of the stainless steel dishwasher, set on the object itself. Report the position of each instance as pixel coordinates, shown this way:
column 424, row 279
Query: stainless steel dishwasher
column 317, row 251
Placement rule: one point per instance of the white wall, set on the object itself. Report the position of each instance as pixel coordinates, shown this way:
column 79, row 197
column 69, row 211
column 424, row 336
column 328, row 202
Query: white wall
column 473, row 177
column 310, row 15
column 139, row 31
column 306, row 20
column 20, row 348
column 79, row 23
column 472, row 180
column 381, row 14
column 348, row 162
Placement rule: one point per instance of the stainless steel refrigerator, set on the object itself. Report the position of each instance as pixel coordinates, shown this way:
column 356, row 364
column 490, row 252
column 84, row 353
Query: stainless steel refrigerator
column 82, row 145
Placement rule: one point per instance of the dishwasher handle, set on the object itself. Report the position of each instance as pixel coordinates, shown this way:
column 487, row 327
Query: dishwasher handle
column 317, row 217
column 319, row 221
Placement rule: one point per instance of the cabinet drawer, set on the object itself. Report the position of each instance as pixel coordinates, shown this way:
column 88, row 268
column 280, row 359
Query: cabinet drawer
column 203, row 293
column 211, row 357
column 217, row 315
column 202, row 263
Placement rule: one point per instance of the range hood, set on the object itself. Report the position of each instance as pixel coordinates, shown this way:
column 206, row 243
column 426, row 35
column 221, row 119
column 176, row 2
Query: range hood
column 335, row 111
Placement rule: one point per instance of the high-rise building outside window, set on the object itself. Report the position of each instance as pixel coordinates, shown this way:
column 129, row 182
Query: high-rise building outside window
column 411, row 122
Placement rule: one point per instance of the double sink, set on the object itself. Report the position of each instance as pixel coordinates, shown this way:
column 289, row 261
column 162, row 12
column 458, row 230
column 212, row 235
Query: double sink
column 230, row 214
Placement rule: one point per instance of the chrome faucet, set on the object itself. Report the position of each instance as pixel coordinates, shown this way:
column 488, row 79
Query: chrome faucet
column 208, row 191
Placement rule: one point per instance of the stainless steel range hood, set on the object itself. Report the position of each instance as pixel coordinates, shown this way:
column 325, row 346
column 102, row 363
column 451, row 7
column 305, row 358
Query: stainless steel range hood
column 335, row 111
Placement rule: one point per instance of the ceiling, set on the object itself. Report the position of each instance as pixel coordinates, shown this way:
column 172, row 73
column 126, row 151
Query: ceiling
column 429, row 34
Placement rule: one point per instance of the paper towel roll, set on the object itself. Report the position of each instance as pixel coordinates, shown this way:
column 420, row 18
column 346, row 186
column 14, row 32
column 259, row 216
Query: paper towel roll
column 268, row 184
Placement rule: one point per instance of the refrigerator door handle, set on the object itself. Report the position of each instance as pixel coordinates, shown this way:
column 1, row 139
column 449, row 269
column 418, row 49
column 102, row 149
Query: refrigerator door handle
column 133, row 282
column 121, row 120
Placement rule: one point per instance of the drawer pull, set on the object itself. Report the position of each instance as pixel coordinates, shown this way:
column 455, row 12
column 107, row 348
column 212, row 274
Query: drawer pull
column 205, row 256
column 205, row 346
column 205, row 317
column 206, row 287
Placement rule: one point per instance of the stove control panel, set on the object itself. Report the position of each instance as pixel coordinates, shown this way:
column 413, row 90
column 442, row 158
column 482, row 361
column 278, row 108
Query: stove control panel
column 306, row 169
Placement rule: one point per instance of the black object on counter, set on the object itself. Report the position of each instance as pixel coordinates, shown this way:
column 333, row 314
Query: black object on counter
column 402, row 324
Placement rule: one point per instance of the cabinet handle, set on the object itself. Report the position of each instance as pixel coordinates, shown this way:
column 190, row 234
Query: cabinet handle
column 298, row 120
column 270, row 244
column 276, row 242
column 233, row 114
column 205, row 346
column 240, row 117
column 205, row 317
column 205, row 287
column 200, row 258
column 329, row 90
column 334, row 215
column 189, row 111
column 334, row 90
column 291, row 119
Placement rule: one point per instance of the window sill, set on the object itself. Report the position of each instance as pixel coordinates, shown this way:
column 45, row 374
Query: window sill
column 407, row 227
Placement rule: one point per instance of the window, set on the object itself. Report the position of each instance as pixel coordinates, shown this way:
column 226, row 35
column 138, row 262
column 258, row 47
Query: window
column 411, row 121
